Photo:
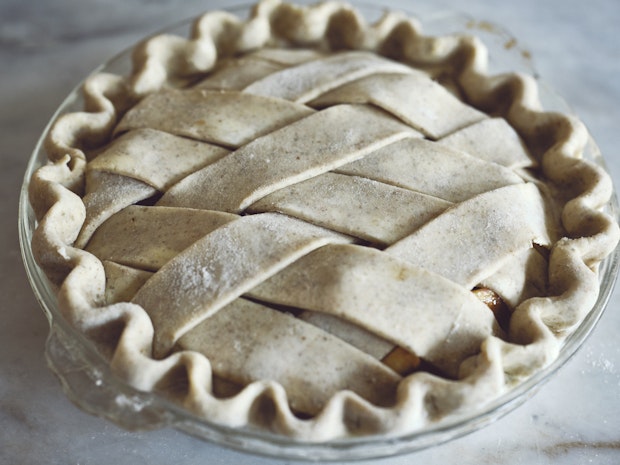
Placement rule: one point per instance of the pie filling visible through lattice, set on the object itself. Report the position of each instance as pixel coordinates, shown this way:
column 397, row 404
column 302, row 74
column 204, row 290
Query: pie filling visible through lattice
column 307, row 223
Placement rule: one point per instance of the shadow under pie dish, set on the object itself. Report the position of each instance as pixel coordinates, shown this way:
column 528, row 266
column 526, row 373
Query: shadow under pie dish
column 304, row 225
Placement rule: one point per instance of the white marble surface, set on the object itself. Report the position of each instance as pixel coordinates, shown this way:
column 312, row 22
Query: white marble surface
column 47, row 46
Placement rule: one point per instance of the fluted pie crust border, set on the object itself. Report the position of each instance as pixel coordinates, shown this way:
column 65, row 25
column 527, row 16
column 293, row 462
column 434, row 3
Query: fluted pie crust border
column 538, row 325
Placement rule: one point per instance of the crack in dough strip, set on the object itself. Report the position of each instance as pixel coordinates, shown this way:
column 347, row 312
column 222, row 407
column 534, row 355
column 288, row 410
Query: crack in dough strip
column 437, row 320
column 225, row 118
column 425, row 166
column 248, row 342
column 491, row 139
column 302, row 150
column 222, row 266
column 414, row 97
column 148, row 237
column 155, row 157
column 307, row 81
column 107, row 194
column 478, row 235
column 354, row 206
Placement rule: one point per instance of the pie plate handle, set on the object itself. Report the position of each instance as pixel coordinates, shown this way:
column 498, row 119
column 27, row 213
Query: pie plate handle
column 95, row 390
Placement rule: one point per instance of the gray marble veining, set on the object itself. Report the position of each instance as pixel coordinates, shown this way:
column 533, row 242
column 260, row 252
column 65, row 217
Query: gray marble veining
column 48, row 47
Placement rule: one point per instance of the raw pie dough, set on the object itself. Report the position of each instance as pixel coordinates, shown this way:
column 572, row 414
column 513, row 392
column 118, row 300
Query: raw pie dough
column 277, row 208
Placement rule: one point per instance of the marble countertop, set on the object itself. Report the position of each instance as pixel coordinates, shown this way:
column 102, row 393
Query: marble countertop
column 47, row 47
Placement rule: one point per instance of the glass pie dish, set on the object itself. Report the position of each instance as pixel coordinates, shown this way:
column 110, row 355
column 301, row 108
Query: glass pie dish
column 90, row 383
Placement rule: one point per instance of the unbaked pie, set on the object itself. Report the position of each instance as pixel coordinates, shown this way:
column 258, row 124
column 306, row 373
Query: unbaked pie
column 318, row 226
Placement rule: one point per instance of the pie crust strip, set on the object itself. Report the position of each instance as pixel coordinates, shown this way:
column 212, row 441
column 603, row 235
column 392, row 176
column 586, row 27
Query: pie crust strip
column 154, row 157
column 354, row 206
column 148, row 237
column 413, row 97
column 248, row 342
column 437, row 320
column 286, row 156
column 101, row 204
column 491, row 139
column 230, row 119
column 220, row 267
column 427, row 167
column 306, row 81
column 478, row 234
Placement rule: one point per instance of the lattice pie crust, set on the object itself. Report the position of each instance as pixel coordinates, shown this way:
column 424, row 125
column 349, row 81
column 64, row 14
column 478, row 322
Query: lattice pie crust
column 319, row 226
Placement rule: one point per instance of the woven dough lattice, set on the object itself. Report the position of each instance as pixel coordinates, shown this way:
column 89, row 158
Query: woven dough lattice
column 270, row 224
